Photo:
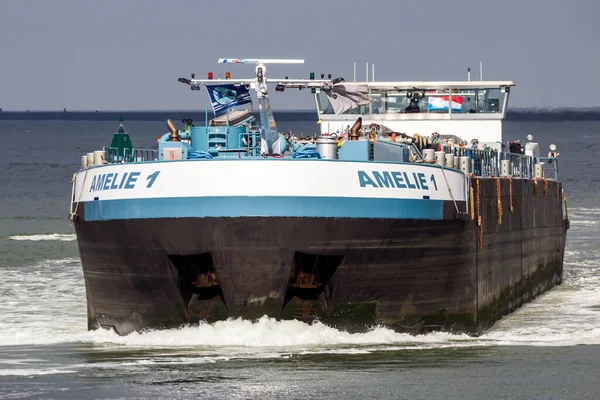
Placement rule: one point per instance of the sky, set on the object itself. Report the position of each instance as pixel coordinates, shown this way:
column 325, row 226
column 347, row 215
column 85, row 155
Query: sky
column 128, row 54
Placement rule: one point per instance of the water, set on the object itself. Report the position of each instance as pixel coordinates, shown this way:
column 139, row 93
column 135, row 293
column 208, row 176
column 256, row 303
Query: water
column 549, row 349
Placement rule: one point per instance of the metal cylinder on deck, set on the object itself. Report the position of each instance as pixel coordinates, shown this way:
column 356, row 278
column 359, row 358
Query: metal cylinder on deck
column 456, row 162
column 465, row 164
column 440, row 158
column 84, row 161
column 99, row 157
column 90, row 159
column 327, row 147
column 538, row 170
column 505, row 168
column 429, row 155
column 449, row 160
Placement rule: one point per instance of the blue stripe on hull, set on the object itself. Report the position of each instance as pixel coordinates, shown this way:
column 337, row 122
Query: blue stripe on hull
column 268, row 206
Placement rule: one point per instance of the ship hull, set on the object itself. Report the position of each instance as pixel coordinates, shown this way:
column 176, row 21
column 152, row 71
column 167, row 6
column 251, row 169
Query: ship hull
column 413, row 275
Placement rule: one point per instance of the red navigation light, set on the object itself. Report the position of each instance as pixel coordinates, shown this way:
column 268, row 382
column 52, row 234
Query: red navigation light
column 227, row 75
column 210, row 75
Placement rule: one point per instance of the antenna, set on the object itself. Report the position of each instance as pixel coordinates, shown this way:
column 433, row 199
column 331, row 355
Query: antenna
column 367, row 72
column 373, row 72
column 480, row 70
column 468, row 74
column 259, row 61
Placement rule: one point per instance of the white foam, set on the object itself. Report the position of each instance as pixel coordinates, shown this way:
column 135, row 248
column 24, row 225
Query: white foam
column 45, row 237
column 265, row 332
column 42, row 303
column 584, row 210
column 578, row 222
column 568, row 315
column 33, row 372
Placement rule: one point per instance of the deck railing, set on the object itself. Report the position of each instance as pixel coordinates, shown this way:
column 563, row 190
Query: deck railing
column 114, row 155
column 489, row 162
column 483, row 162
column 550, row 168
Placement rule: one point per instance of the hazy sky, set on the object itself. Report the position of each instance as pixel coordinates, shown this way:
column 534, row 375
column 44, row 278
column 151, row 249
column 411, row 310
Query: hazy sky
column 128, row 54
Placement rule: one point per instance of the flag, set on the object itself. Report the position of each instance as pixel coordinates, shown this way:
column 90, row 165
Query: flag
column 441, row 103
column 226, row 96
column 345, row 96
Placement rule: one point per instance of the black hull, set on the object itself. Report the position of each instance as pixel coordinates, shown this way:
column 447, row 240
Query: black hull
column 410, row 275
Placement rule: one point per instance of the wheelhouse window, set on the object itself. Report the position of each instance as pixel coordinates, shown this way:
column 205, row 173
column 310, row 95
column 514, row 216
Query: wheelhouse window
column 430, row 101
column 323, row 103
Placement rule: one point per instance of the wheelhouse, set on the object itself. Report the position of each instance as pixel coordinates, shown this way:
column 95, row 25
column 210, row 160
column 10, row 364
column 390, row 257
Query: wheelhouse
column 442, row 99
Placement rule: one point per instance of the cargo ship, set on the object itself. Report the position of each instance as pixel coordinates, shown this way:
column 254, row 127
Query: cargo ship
column 407, row 211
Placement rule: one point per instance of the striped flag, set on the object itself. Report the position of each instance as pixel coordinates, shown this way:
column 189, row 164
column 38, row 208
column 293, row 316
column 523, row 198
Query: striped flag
column 226, row 96
column 441, row 103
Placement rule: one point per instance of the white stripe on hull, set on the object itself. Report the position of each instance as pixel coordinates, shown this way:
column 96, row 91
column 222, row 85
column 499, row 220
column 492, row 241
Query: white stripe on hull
column 193, row 178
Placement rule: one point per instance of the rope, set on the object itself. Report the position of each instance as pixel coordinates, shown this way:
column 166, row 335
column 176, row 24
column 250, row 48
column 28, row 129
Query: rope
column 449, row 190
column 199, row 155
column 499, row 201
column 566, row 208
column 472, row 201
column 72, row 198
column 510, row 197
column 558, row 221
column 306, row 154
column 479, row 219
column 545, row 185
column 74, row 213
